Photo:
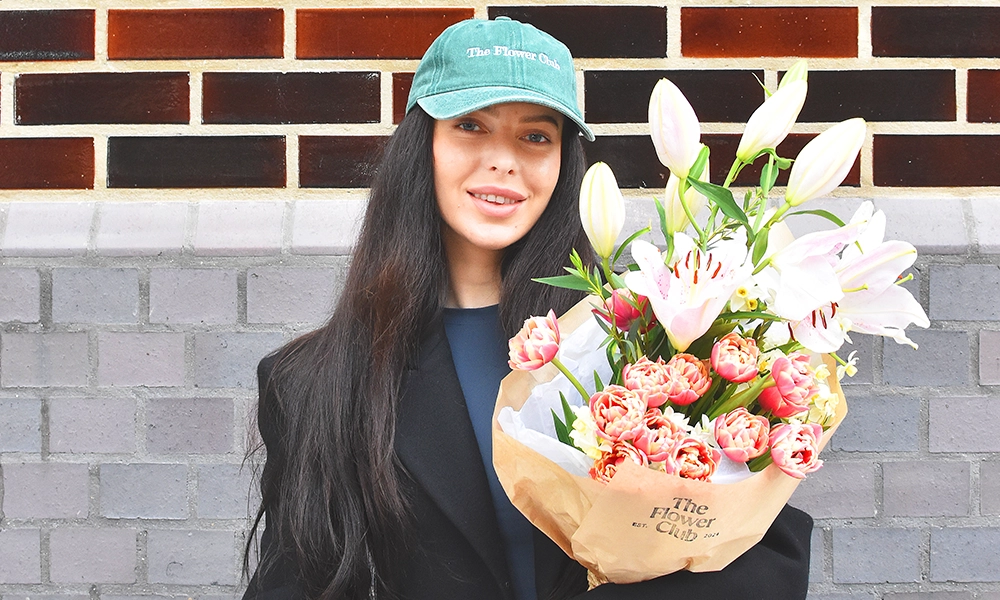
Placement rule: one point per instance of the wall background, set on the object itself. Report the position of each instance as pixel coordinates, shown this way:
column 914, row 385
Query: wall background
column 178, row 192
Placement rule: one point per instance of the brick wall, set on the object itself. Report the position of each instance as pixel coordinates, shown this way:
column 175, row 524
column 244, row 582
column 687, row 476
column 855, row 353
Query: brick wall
column 179, row 191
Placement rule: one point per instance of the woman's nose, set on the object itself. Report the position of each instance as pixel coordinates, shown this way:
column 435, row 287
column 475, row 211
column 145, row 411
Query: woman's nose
column 503, row 160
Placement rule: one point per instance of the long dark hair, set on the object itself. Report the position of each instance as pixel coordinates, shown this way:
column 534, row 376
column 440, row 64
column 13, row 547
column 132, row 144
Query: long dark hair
column 334, row 501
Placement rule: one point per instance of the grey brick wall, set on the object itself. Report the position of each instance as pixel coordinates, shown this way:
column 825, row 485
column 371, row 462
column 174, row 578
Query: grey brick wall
column 128, row 347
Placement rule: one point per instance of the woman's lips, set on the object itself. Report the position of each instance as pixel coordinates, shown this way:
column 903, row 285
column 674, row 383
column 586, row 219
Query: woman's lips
column 496, row 202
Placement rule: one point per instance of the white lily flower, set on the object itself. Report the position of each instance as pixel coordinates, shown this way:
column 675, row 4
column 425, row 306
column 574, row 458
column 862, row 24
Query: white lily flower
column 772, row 120
column 602, row 208
column 797, row 72
column 674, row 128
column 687, row 296
column 824, row 162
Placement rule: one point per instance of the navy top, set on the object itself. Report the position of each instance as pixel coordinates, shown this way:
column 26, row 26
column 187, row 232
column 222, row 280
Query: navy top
column 479, row 351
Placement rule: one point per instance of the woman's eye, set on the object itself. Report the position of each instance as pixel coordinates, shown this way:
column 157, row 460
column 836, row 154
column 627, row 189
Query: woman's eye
column 468, row 126
column 537, row 138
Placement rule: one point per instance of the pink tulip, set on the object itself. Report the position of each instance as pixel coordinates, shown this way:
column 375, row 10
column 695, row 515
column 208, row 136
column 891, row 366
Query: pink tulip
column 795, row 448
column 618, row 413
column 735, row 358
column 649, row 380
column 605, row 467
column 794, row 386
column 693, row 459
column 620, row 312
column 688, row 379
column 741, row 435
column 659, row 435
column 536, row 344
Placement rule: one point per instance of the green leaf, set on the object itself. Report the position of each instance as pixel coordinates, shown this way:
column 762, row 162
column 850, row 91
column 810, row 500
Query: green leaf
column 568, row 413
column 616, row 281
column 570, row 282
column 760, row 245
column 819, row 212
column 733, row 316
column 723, row 198
column 631, row 239
column 561, row 432
column 698, row 168
column 768, row 175
column 598, row 385
column 662, row 214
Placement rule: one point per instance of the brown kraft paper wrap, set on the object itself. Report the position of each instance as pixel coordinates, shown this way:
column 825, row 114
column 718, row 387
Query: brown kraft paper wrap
column 643, row 524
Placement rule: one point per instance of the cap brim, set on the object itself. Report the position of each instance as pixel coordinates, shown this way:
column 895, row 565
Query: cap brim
column 449, row 105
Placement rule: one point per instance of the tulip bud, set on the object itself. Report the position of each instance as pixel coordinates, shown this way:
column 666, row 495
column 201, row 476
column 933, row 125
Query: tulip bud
column 602, row 208
column 772, row 120
column 825, row 161
column 798, row 72
column 674, row 128
column 676, row 218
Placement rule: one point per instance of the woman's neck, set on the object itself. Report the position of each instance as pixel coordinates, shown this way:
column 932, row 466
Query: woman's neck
column 473, row 274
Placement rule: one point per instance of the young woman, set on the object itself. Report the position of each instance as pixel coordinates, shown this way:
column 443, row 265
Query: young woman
column 379, row 480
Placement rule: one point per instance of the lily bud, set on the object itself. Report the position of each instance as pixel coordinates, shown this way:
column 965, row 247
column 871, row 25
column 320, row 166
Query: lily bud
column 676, row 218
column 825, row 161
column 602, row 208
column 674, row 128
column 798, row 72
column 772, row 120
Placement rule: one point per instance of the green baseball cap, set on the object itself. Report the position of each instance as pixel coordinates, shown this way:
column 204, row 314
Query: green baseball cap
column 478, row 63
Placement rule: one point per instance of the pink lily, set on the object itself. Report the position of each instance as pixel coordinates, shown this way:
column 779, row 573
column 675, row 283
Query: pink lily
column 688, row 295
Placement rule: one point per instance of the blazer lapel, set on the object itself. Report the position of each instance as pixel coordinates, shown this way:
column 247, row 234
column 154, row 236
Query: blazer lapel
column 437, row 445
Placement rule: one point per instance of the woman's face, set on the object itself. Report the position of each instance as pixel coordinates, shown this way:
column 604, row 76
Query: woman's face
column 494, row 172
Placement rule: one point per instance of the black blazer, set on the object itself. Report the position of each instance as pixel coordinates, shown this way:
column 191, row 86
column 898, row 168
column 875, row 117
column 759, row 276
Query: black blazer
column 460, row 553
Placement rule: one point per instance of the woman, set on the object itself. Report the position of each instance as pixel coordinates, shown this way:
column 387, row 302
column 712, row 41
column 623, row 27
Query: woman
column 379, row 480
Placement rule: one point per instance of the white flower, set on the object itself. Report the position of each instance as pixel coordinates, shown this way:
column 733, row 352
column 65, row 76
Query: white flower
column 602, row 208
column 674, row 128
column 850, row 369
column 825, row 161
column 584, row 434
column 772, row 120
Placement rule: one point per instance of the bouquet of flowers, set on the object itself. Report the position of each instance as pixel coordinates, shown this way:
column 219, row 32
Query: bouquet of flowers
column 711, row 366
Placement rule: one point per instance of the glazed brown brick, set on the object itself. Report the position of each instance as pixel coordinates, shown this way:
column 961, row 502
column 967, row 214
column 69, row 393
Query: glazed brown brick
column 897, row 95
column 752, row 32
column 44, row 99
column 46, row 35
column 936, row 31
column 196, row 33
column 291, row 97
column 46, row 163
column 598, row 31
column 346, row 161
column 984, row 96
column 633, row 159
column 937, row 160
column 196, row 162
column 623, row 96
column 401, row 83
column 371, row 32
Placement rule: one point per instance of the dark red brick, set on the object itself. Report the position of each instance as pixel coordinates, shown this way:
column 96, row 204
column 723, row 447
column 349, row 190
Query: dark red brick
column 196, row 33
column 896, row 95
column 936, row 31
column 936, row 160
column 60, row 98
column 623, row 96
column 371, row 32
column 196, row 162
column 598, row 31
column 984, row 96
column 46, row 35
column 348, row 97
column 401, row 83
column 346, row 161
column 753, row 32
column 633, row 159
column 46, row 163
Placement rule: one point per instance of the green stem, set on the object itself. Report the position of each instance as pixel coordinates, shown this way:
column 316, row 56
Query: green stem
column 606, row 267
column 733, row 172
column 572, row 379
column 780, row 213
column 760, row 463
column 682, row 189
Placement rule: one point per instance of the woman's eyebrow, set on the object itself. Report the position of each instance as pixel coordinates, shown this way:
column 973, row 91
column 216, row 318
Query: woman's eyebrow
column 542, row 118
